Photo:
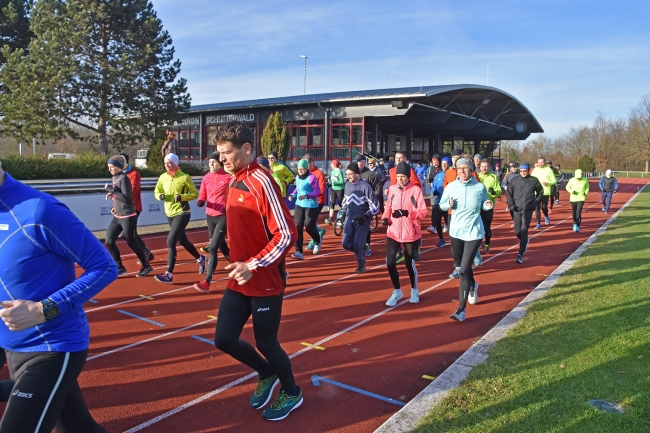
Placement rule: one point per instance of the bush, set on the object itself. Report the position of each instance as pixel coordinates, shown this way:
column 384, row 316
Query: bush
column 586, row 164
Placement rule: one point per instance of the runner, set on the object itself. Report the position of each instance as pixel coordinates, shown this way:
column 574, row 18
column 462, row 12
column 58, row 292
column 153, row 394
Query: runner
column 377, row 185
column 466, row 197
column 547, row 178
column 136, row 180
column 399, row 158
column 491, row 183
column 608, row 185
column 437, row 214
column 322, row 185
column 44, row 330
column 125, row 219
column 176, row 189
column 283, row 172
column 213, row 194
column 524, row 193
column 305, row 214
column 266, row 165
column 514, row 171
column 477, row 162
column 405, row 209
column 379, row 170
column 262, row 231
column 434, row 169
column 578, row 188
column 555, row 190
column 336, row 191
column 359, row 205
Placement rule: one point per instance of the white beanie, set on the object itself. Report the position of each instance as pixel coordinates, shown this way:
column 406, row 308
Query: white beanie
column 173, row 158
column 608, row 172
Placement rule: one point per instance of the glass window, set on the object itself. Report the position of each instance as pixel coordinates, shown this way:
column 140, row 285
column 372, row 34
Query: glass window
column 357, row 120
column 298, row 152
column 316, row 136
column 357, row 134
column 316, row 152
column 183, row 144
column 340, row 135
column 447, row 147
column 299, row 137
column 195, row 150
column 341, row 152
column 469, row 148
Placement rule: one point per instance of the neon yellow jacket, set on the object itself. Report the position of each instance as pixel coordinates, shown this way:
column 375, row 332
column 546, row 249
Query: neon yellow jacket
column 578, row 188
column 283, row 173
column 490, row 180
column 545, row 174
column 181, row 184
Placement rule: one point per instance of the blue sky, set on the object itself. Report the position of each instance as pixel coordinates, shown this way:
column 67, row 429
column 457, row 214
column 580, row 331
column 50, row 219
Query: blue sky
column 565, row 60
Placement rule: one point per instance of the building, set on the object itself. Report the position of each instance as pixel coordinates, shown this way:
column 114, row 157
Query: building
column 421, row 121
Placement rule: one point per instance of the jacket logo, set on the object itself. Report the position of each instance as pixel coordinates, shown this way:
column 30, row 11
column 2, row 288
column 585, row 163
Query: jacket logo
column 263, row 309
column 241, row 198
column 4, row 226
column 17, row 393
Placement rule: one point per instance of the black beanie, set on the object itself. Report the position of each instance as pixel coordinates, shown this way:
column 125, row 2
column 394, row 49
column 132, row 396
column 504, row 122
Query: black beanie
column 126, row 157
column 436, row 156
column 353, row 167
column 214, row 155
column 456, row 152
column 404, row 168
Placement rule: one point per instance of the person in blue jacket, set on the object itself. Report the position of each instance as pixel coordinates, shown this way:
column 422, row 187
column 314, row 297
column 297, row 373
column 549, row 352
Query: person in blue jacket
column 44, row 330
column 608, row 185
column 436, row 213
column 305, row 214
column 466, row 197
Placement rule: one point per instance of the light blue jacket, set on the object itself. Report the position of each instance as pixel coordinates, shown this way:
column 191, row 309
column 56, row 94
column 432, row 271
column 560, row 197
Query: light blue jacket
column 306, row 187
column 469, row 198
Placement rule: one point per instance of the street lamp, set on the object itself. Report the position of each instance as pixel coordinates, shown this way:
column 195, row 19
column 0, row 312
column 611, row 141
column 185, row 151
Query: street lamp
column 304, row 86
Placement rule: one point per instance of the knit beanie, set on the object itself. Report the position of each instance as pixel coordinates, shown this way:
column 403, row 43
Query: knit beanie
column 447, row 160
column 214, row 155
column 578, row 174
column 524, row 166
column 173, row 158
column 465, row 161
column 353, row 167
column 303, row 163
column 404, row 168
column 264, row 162
column 456, row 152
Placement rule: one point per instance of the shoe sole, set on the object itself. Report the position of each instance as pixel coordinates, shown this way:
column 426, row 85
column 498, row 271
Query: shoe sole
column 275, row 384
column 297, row 258
column 295, row 406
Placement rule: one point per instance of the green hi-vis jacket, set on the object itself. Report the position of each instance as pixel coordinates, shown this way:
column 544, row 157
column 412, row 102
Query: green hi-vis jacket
column 578, row 189
column 181, row 184
column 545, row 174
column 490, row 180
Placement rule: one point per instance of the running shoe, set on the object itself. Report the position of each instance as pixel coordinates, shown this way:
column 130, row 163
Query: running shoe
column 458, row 316
column 205, row 248
column 396, row 296
column 297, row 255
column 557, row 201
column 486, row 249
column 282, row 406
column 328, row 221
column 416, row 255
column 262, row 394
column 445, row 229
column 321, row 231
column 399, row 256
column 455, row 273
column 310, row 246
column 148, row 254
column 575, row 227
column 318, row 247
column 144, row 271
column 538, row 227
column 360, row 269
column 547, row 220
column 202, row 286
column 603, row 209
column 441, row 243
column 478, row 259
column 121, row 270
column 201, row 262
column 578, row 229
column 368, row 252
column 432, row 230
column 415, row 296
column 473, row 294
column 519, row 259
column 163, row 278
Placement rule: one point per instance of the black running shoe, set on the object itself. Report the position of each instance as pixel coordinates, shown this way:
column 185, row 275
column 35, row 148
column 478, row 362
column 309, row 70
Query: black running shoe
column 144, row 271
column 121, row 270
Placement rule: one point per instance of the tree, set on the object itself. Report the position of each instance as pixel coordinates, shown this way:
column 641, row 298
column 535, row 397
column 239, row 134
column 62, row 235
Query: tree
column 275, row 137
column 586, row 164
column 510, row 151
column 14, row 25
column 103, row 65
column 639, row 131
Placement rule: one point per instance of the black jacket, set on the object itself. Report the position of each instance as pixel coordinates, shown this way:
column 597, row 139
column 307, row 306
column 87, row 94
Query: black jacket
column 523, row 193
column 121, row 190
column 373, row 179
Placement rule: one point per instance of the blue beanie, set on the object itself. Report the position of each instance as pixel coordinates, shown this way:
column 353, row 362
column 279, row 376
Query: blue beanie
column 524, row 166
column 446, row 158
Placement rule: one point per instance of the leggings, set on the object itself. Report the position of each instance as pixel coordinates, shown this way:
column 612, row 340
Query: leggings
column 218, row 231
column 522, row 223
column 464, row 253
column 177, row 233
column 46, row 394
column 392, row 246
column 543, row 204
column 486, row 217
column 576, row 206
column 306, row 218
column 336, row 197
column 137, row 236
column 234, row 311
column 128, row 227
column 436, row 219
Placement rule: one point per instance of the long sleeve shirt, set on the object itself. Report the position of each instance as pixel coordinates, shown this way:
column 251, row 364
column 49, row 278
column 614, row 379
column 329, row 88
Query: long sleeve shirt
column 469, row 199
column 123, row 206
column 359, row 199
column 322, row 184
column 214, row 192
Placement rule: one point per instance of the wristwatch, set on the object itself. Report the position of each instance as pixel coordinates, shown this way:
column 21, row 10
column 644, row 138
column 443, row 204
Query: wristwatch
column 50, row 309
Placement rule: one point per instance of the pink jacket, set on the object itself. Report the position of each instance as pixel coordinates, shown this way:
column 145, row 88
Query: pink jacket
column 405, row 229
column 214, row 192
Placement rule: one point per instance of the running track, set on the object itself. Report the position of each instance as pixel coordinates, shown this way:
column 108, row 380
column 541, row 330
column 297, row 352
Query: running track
column 159, row 377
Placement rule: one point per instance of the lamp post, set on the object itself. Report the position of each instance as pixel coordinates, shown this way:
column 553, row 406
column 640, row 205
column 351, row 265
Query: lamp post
column 304, row 85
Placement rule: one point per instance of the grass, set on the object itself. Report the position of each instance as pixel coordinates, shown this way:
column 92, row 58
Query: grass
column 588, row 338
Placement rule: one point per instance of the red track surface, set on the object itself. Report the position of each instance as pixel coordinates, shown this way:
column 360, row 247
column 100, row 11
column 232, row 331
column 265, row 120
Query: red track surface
column 385, row 355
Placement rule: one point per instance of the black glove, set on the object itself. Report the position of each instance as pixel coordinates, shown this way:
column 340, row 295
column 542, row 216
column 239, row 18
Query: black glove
column 399, row 213
column 200, row 203
column 385, row 222
column 575, row 193
column 491, row 191
column 435, row 193
column 362, row 219
column 302, row 197
column 161, row 197
column 177, row 198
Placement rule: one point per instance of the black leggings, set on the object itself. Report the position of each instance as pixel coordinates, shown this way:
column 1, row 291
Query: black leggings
column 522, row 224
column 46, row 394
column 306, row 218
column 128, row 227
column 336, row 197
column 217, row 230
column 464, row 253
column 576, row 206
column 436, row 219
column 486, row 217
column 392, row 246
column 543, row 204
column 177, row 233
column 234, row 311
column 138, row 239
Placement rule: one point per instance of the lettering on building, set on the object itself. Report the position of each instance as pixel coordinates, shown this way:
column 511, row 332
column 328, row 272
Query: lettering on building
column 223, row 118
column 190, row 121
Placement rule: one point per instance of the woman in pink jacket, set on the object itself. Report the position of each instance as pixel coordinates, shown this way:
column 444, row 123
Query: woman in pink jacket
column 403, row 211
column 213, row 195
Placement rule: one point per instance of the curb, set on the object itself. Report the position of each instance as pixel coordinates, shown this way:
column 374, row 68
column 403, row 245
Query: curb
column 408, row 418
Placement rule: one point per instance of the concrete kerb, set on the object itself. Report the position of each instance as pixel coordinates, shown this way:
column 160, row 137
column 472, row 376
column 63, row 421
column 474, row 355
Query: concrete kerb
column 409, row 416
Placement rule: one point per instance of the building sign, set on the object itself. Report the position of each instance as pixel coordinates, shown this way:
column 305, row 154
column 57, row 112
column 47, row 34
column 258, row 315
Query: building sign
column 190, row 121
column 224, row 118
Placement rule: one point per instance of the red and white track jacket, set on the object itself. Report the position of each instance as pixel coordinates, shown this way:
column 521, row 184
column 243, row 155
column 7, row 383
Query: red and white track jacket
column 261, row 230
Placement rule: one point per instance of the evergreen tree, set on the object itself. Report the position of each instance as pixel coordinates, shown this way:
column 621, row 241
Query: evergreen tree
column 275, row 137
column 14, row 25
column 587, row 164
column 102, row 65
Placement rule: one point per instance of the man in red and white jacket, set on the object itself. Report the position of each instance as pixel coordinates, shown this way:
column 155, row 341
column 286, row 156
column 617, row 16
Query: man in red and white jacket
column 261, row 231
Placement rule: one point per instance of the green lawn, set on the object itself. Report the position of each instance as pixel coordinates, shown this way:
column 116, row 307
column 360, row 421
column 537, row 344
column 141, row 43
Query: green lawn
column 588, row 338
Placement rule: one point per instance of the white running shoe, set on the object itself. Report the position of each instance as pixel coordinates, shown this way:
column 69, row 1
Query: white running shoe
column 445, row 229
column 318, row 246
column 396, row 296
column 415, row 296
column 473, row 294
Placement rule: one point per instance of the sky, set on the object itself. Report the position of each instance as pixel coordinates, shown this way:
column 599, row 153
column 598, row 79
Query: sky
column 564, row 60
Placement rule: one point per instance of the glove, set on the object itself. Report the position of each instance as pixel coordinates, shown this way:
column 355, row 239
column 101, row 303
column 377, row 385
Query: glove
column 385, row 222
column 161, row 197
column 302, row 197
column 399, row 213
column 177, row 198
column 362, row 219
column 435, row 193
column 491, row 191
column 340, row 215
column 200, row 203
column 575, row 193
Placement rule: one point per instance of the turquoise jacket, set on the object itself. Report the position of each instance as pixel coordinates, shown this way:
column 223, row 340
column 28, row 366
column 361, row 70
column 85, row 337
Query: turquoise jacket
column 309, row 188
column 469, row 199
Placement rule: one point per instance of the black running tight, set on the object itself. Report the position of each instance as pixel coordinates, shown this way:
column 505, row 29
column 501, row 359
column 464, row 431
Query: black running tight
column 177, row 226
column 392, row 246
column 217, row 231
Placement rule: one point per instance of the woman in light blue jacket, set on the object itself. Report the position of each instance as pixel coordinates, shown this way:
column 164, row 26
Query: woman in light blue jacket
column 305, row 213
column 465, row 197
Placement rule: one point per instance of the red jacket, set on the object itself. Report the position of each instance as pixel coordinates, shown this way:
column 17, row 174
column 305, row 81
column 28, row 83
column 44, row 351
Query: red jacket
column 318, row 174
column 214, row 192
column 134, row 177
column 393, row 177
column 261, row 230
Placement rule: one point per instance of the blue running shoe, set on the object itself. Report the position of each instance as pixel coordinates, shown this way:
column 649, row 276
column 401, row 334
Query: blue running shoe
column 310, row 246
column 547, row 220
column 538, row 227
column 201, row 262
column 578, row 229
column 282, row 406
column 441, row 243
column 478, row 259
column 575, row 227
column 262, row 394
column 163, row 278
column 455, row 274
